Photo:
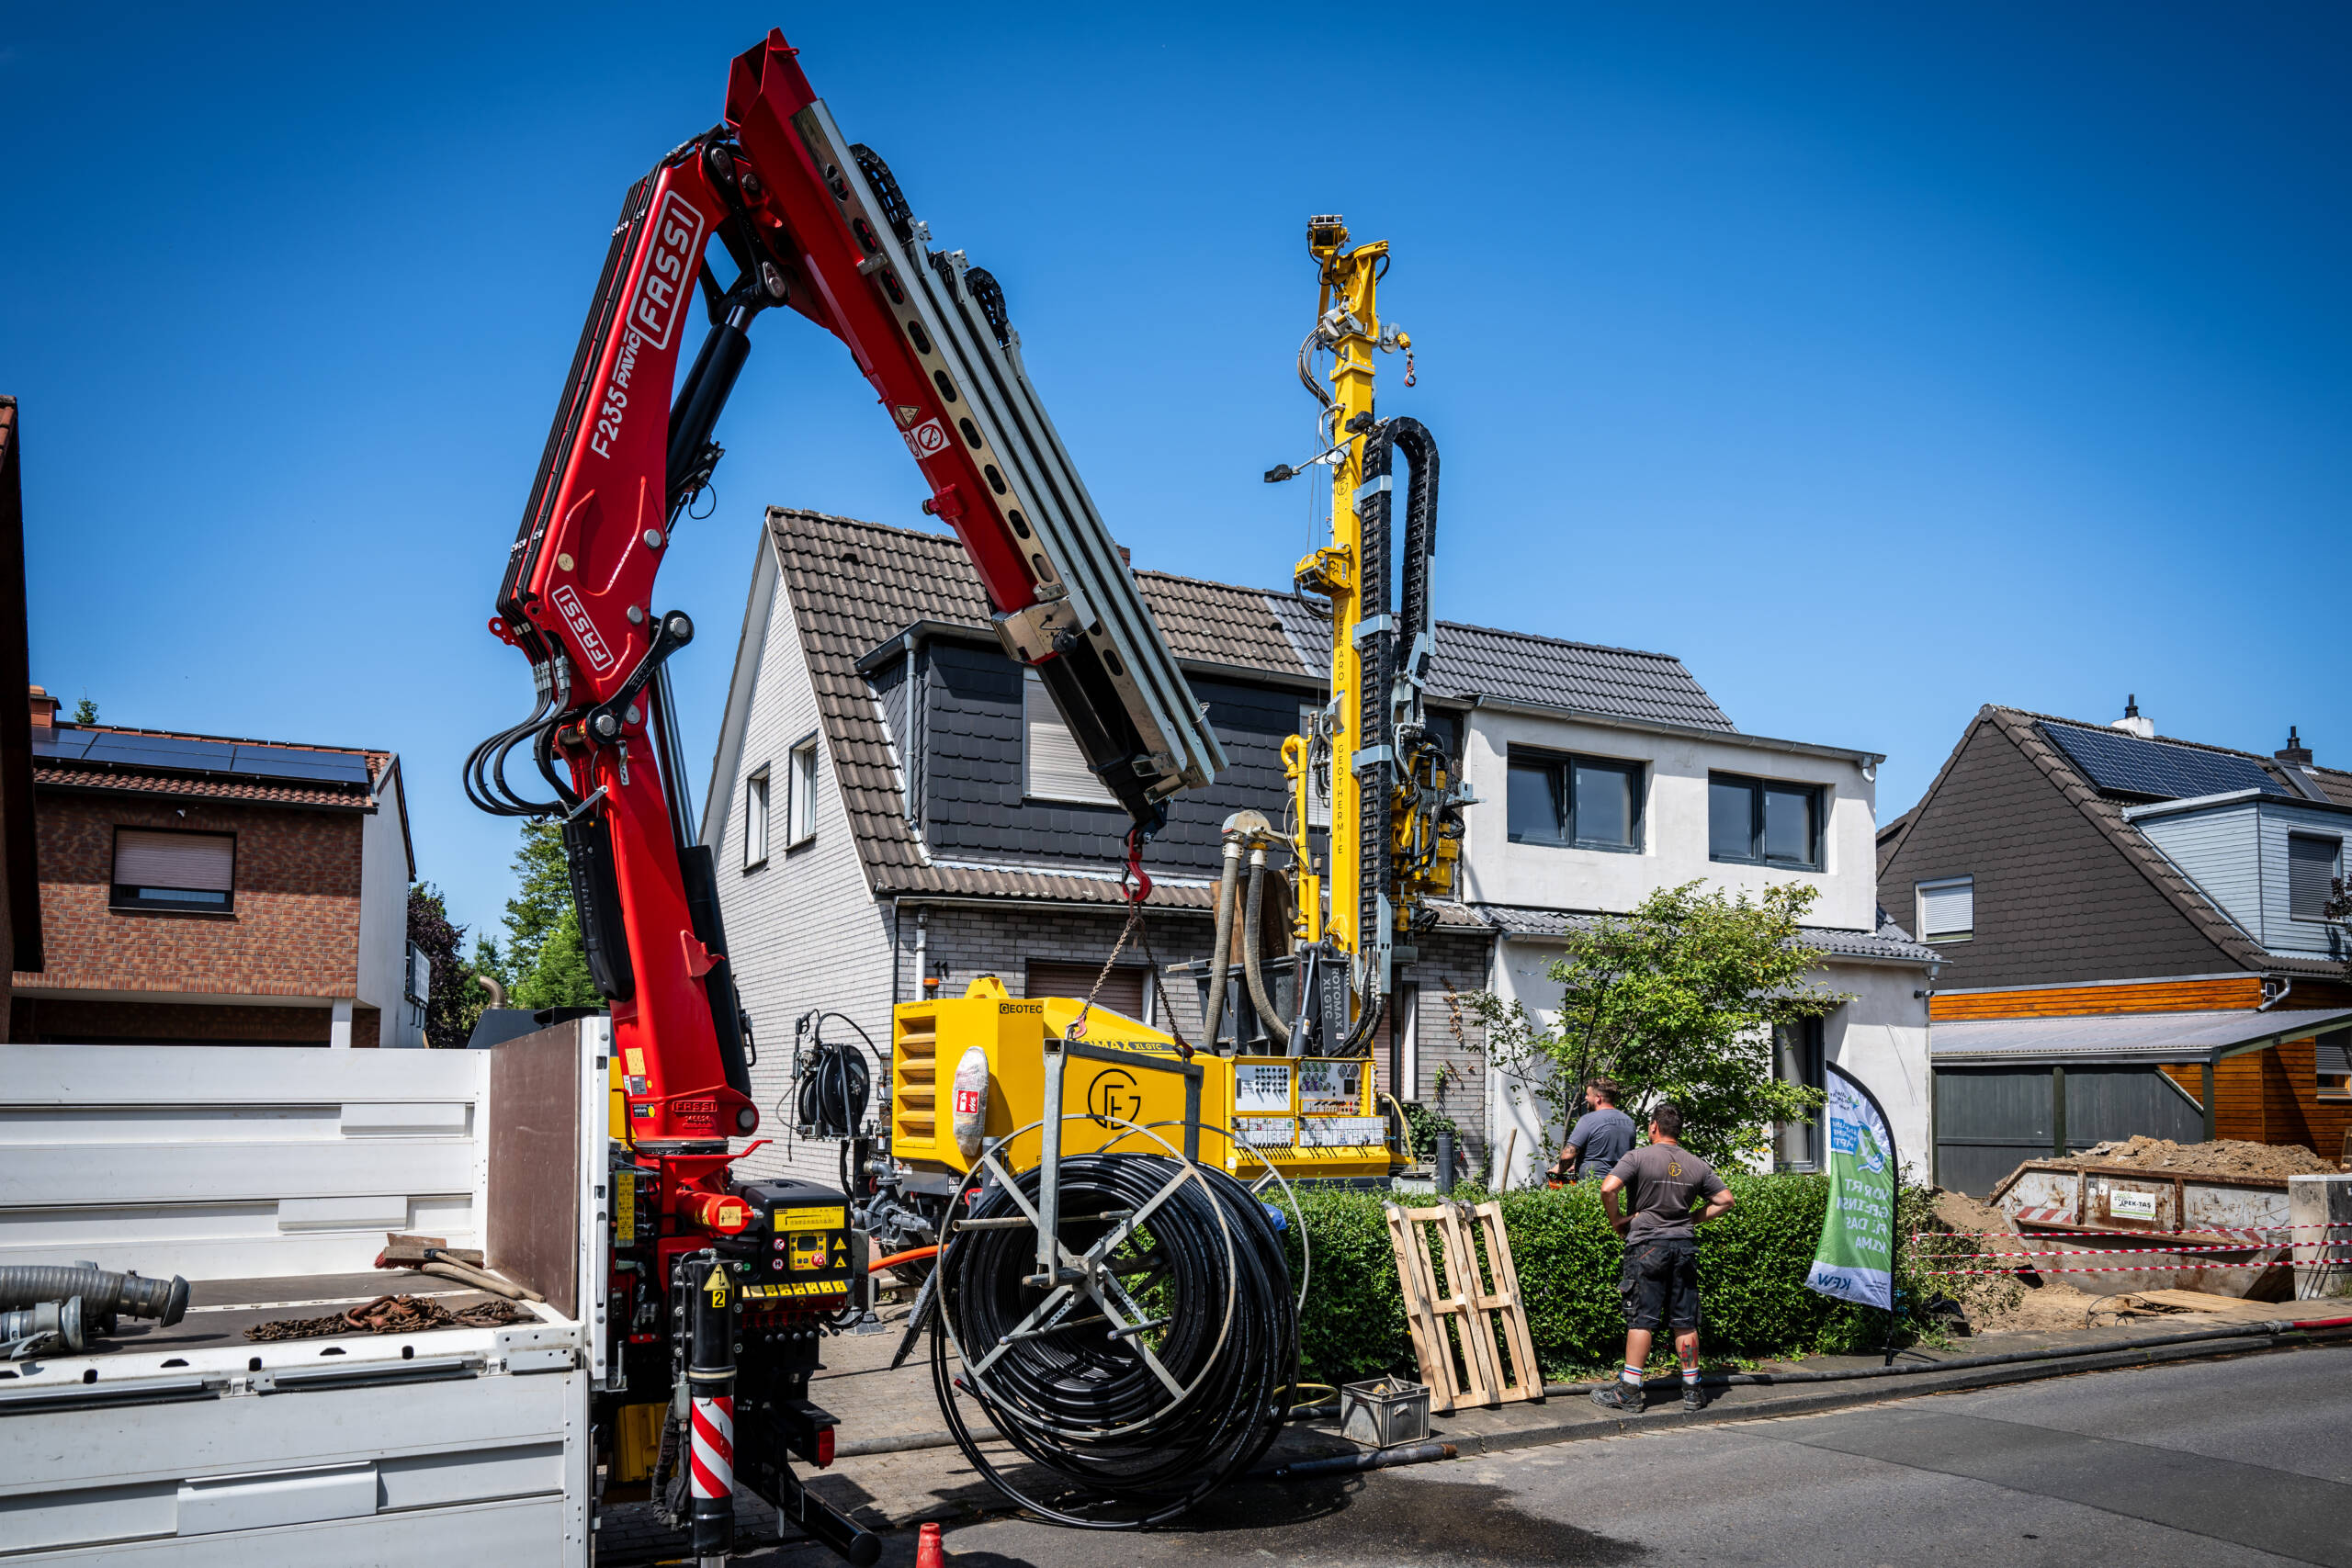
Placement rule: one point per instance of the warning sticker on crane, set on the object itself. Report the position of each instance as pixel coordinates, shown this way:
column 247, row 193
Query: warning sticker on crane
column 928, row 439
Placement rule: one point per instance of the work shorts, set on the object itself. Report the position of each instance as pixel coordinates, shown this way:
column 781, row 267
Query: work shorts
column 1660, row 1284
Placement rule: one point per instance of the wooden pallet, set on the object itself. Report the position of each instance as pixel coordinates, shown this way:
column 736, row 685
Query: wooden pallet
column 1465, row 1331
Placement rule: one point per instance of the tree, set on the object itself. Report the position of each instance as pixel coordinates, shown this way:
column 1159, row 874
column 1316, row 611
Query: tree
column 546, row 962
column 1677, row 1001
column 86, row 711
column 454, row 1002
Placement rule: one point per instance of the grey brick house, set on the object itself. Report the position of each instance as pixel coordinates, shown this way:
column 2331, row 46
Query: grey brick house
column 894, row 805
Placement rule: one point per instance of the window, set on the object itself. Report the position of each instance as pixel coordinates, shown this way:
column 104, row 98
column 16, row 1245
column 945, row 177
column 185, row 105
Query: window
column 1405, row 1044
column 2311, row 875
column 1052, row 767
column 1758, row 822
column 755, row 820
column 1587, row 802
column 1125, row 990
column 175, row 870
column 1796, row 1058
column 800, row 804
column 1947, row 909
column 2336, row 1064
column 419, row 976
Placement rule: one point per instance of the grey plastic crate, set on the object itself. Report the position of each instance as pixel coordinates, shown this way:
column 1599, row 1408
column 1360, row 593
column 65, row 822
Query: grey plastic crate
column 1385, row 1412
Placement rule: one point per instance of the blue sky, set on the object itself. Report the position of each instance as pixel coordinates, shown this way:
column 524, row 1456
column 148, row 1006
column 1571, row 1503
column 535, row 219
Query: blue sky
column 1879, row 362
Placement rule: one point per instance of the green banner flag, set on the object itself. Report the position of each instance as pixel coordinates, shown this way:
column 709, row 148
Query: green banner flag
column 1856, row 1259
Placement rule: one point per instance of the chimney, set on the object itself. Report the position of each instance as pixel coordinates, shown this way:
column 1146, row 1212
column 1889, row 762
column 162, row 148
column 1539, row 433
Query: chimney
column 2295, row 754
column 1127, row 556
column 2132, row 723
column 44, row 709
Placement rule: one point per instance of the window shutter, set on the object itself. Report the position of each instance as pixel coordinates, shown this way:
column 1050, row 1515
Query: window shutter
column 2336, row 1051
column 1053, row 767
column 198, row 862
column 1122, row 992
column 2311, row 867
column 1947, row 909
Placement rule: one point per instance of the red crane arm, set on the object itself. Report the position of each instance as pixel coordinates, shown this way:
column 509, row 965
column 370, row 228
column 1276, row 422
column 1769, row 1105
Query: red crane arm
column 816, row 223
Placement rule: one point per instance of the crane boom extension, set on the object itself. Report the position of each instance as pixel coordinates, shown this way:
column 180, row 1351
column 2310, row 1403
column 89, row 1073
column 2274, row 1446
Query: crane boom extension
column 815, row 222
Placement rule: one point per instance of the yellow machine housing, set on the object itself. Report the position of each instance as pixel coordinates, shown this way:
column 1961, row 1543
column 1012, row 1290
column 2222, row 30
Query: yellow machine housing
column 1311, row 1118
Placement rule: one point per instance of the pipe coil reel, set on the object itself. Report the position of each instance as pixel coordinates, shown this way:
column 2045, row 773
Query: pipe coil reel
column 1161, row 1363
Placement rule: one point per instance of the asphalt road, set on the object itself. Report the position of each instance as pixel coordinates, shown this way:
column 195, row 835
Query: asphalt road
column 2205, row 1465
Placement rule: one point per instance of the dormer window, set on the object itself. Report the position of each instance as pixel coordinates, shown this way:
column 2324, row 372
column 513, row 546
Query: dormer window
column 2313, row 863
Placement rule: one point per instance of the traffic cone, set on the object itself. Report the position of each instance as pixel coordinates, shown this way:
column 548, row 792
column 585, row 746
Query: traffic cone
column 928, row 1553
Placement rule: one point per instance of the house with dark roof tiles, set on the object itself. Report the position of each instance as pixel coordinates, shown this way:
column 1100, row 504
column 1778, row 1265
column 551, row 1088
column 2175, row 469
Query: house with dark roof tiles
column 2073, row 871
column 897, row 807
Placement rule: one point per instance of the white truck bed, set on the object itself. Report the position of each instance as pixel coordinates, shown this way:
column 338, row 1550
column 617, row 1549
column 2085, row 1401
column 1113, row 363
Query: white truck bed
column 191, row 1444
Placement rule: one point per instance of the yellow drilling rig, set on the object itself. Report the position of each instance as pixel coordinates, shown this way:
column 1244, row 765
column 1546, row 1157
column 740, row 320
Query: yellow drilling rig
column 1289, row 1084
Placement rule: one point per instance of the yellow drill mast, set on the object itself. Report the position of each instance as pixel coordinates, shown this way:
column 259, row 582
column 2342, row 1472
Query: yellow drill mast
column 1370, row 755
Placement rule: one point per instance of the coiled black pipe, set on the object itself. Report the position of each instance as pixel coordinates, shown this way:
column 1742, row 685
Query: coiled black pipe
column 1087, row 1406
column 103, row 1293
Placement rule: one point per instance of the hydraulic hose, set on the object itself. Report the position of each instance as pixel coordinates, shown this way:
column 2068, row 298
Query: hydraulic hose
column 1252, row 921
column 102, row 1292
column 1221, row 951
column 1085, row 1404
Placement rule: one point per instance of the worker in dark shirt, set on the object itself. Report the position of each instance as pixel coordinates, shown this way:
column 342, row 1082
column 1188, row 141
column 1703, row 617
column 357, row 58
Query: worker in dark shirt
column 1662, row 1181
column 1601, row 1137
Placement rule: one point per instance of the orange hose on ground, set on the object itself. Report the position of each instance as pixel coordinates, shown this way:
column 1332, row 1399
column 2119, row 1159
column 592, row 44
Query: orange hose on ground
column 881, row 1263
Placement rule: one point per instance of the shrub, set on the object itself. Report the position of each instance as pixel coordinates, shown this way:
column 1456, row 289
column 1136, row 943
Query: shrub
column 1752, row 1265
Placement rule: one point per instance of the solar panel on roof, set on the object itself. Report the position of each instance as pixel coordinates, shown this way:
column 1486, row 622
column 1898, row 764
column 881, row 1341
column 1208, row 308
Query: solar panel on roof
column 2119, row 763
column 293, row 762
column 60, row 742
column 158, row 752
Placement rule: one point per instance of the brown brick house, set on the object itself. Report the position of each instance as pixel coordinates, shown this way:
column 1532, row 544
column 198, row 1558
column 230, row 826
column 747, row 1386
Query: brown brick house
column 201, row 888
column 2135, row 939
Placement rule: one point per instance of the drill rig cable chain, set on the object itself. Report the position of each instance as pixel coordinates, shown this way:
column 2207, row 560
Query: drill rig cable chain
column 1141, row 1431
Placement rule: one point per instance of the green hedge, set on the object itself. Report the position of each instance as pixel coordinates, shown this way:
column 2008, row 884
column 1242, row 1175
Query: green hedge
column 1752, row 1264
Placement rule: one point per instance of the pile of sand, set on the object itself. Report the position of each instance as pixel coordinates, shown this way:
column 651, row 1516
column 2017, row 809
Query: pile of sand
column 2227, row 1157
column 1997, row 1305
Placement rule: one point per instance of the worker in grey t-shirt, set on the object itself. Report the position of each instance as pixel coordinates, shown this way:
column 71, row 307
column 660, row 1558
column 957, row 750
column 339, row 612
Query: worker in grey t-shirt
column 1601, row 1136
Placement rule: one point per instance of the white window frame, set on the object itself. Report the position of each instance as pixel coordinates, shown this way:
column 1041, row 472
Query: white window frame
column 1919, row 892
column 1041, row 721
column 756, row 792
column 800, row 793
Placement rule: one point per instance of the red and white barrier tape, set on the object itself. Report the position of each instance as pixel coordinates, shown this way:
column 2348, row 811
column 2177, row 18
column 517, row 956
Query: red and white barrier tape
column 2117, row 1251
column 2121, row 1268
column 712, row 1460
column 2200, row 1230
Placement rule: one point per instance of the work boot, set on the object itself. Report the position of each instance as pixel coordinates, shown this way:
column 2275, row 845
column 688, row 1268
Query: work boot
column 1694, row 1399
column 1622, row 1397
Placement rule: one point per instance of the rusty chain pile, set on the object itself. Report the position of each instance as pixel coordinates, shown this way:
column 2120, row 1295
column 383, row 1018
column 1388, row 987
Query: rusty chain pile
column 392, row 1314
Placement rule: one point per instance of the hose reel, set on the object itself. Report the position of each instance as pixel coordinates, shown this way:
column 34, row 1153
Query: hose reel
column 1125, row 1320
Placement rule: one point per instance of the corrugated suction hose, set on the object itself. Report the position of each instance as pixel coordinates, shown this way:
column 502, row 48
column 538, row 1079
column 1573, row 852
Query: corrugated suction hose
column 102, row 1292
column 1269, row 1017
